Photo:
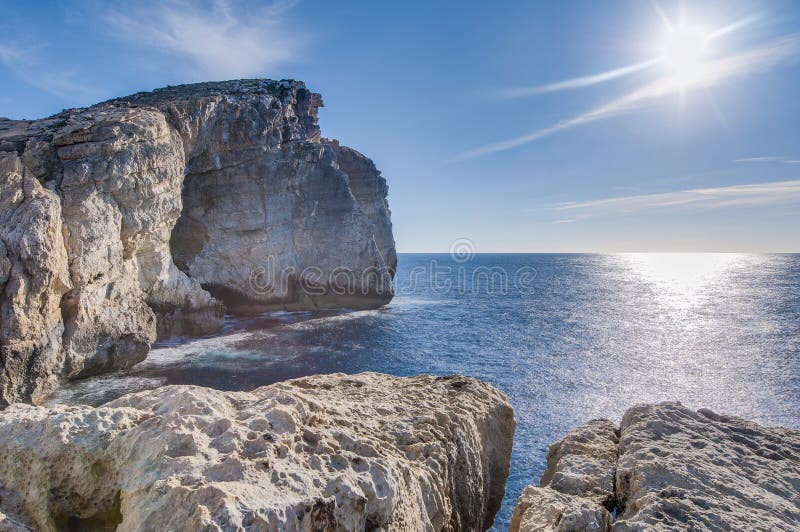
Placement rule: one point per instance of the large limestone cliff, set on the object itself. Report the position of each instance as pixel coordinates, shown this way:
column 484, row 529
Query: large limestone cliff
column 667, row 467
column 148, row 216
column 332, row 452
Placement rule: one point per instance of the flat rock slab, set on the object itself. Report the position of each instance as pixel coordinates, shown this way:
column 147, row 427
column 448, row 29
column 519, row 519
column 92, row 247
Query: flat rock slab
column 676, row 469
column 329, row 452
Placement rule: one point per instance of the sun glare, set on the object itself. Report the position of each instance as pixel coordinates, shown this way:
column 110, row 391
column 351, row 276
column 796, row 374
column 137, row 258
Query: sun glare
column 681, row 279
column 683, row 53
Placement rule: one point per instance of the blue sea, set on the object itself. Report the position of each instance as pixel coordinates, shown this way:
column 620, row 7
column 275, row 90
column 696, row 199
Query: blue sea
column 567, row 337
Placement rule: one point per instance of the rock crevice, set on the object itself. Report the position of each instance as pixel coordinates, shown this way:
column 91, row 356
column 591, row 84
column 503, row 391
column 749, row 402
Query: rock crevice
column 151, row 215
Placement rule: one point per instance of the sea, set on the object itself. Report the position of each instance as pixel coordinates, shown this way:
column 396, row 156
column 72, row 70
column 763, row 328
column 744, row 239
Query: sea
column 568, row 337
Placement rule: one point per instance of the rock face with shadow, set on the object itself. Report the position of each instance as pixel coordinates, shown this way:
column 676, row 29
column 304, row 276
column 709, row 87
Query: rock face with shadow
column 146, row 216
column 329, row 452
column 667, row 468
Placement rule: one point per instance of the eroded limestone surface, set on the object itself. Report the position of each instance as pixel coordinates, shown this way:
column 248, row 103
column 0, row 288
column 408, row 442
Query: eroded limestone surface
column 672, row 469
column 331, row 452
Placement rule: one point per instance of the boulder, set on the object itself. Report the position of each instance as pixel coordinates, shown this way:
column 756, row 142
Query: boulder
column 675, row 469
column 577, row 489
column 328, row 452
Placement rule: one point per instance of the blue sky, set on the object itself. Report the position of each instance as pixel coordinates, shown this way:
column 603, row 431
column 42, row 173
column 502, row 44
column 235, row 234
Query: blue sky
column 465, row 110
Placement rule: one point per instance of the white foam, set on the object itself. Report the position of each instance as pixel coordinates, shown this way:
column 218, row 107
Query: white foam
column 400, row 301
column 168, row 355
column 329, row 320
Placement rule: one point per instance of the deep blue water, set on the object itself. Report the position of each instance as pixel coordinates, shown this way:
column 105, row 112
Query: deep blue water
column 567, row 337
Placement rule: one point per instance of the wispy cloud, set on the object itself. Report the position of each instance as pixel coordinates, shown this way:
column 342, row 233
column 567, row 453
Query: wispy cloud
column 219, row 39
column 8, row 53
column 769, row 159
column 26, row 63
column 576, row 83
column 776, row 53
column 759, row 194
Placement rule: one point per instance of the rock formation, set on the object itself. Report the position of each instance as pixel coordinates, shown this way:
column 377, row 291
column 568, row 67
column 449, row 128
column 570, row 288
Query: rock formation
column 332, row 452
column 672, row 469
column 139, row 217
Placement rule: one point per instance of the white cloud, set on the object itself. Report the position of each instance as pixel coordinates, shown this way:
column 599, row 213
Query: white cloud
column 781, row 51
column 758, row 194
column 219, row 39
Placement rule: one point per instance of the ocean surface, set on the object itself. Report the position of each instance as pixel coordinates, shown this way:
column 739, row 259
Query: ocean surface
column 567, row 337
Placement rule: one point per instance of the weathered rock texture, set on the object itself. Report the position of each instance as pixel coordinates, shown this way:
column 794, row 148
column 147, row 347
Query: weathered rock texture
column 135, row 218
column 672, row 469
column 334, row 452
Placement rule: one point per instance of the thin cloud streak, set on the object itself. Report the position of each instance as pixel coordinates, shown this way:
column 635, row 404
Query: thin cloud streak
column 217, row 39
column 577, row 83
column 730, row 28
column 781, row 51
column 770, row 159
column 758, row 194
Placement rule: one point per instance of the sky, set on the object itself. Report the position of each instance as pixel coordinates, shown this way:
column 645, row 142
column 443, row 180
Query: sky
column 571, row 126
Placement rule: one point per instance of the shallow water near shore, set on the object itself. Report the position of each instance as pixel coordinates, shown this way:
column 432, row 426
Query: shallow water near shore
column 567, row 337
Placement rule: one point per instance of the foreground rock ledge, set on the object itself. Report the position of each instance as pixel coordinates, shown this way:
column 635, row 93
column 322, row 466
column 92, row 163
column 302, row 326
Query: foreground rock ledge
column 332, row 452
column 667, row 468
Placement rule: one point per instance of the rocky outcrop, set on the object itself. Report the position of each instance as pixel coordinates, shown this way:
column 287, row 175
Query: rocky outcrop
column 333, row 452
column 672, row 469
column 139, row 217
column 577, row 489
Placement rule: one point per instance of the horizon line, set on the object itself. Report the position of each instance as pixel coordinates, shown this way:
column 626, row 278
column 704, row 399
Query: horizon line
column 662, row 252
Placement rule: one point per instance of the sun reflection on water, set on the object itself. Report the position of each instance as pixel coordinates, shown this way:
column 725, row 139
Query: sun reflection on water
column 681, row 280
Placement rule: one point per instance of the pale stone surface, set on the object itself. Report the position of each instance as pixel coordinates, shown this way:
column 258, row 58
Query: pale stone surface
column 577, row 488
column 333, row 452
column 677, row 469
column 545, row 509
column 120, row 221
column 34, row 276
column 680, row 469
column 583, row 462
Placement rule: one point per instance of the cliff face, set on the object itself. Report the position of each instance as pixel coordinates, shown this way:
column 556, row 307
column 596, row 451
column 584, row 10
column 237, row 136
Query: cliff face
column 667, row 467
column 145, row 216
column 329, row 452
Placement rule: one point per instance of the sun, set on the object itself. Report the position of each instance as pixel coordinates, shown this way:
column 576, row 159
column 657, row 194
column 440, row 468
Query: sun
column 684, row 51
